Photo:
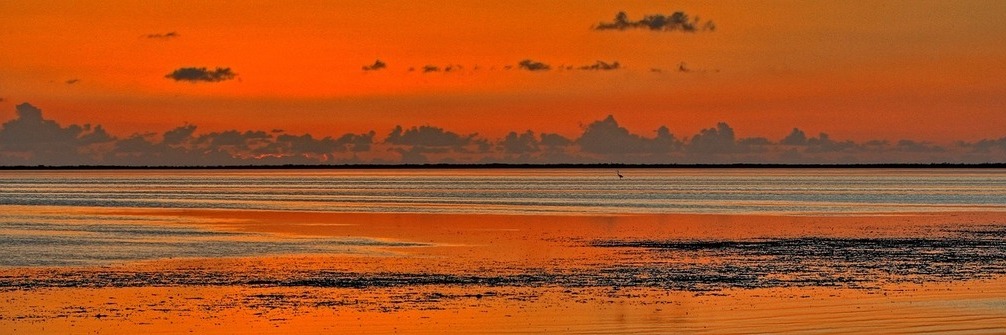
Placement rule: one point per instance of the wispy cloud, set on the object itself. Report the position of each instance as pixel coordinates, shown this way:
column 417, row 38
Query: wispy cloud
column 201, row 74
column 531, row 65
column 678, row 21
column 378, row 65
column 602, row 66
column 162, row 36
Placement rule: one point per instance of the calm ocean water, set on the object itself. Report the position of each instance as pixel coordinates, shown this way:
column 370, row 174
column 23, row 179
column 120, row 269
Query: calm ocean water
column 69, row 217
column 585, row 191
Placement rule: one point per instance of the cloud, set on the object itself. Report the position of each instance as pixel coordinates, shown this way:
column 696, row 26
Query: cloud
column 985, row 145
column 427, row 136
column 795, row 137
column 234, row 139
column 531, row 65
column 72, row 81
column 554, row 140
column 40, row 141
column 378, row 65
column 434, row 68
column 678, row 21
column 201, row 74
column 713, row 140
column 684, row 68
column 179, row 135
column 30, row 139
column 915, row 146
column 602, row 66
column 419, row 144
column 164, row 36
column 357, row 142
column 608, row 138
column 307, row 144
column 824, row 143
column 414, row 155
column 519, row 143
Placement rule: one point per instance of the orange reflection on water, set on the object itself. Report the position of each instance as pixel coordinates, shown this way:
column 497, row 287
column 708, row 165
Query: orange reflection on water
column 495, row 273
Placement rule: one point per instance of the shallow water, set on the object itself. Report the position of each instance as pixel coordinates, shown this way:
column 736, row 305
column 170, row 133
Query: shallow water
column 532, row 191
column 506, row 251
column 80, row 225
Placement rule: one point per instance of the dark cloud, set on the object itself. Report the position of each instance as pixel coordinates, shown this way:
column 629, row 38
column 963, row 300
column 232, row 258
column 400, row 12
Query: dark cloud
column 609, row 138
column 753, row 145
column 436, row 68
column 531, row 65
column 986, row 145
column 164, row 36
column 378, row 65
column 234, row 139
column 682, row 67
column 914, row 146
column 515, row 143
column 555, row 140
column 201, row 74
column 30, row 139
column 41, row 141
column 138, row 144
column 72, row 81
column 414, row 155
column 308, row 145
column 823, row 143
column 179, row 135
column 418, row 144
column 795, row 137
column 356, row 142
column 427, row 136
column 602, row 66
column 713, row 140
column 678, row 21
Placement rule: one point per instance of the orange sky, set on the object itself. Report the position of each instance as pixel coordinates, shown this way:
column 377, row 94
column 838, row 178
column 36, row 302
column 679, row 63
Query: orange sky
column 923, row 70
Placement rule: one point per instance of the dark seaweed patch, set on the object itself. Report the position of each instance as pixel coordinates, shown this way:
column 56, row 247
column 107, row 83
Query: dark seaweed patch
column 820, row 261
column 681, row 265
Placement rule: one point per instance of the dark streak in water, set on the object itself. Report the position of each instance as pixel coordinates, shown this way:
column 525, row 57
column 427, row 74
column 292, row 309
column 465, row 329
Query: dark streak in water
column 860, row 263
column 821, row 261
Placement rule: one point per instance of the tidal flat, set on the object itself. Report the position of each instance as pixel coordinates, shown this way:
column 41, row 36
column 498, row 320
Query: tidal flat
column 503, row 251
column 434, row 273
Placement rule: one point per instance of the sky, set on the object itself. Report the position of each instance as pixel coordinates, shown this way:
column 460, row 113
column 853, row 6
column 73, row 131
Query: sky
column 266, row 82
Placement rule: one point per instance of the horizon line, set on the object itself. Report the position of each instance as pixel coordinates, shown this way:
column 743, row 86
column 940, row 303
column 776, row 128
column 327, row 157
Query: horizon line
column 990, row 165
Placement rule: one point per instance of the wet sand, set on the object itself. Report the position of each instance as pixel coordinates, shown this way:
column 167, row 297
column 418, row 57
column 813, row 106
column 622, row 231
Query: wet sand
column 515, row 274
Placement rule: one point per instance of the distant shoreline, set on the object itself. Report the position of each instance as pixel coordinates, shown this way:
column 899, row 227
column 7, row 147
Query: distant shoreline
column 517, row 166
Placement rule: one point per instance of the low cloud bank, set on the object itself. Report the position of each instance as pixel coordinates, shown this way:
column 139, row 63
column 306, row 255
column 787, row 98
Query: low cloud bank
column 30, row 139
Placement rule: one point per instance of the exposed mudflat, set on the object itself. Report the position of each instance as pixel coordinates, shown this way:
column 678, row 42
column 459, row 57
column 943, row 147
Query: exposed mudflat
column 541, row 274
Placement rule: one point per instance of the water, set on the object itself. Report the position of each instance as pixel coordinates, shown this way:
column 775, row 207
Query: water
column 585, row 191
column 66, row 218
column 516, row 251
